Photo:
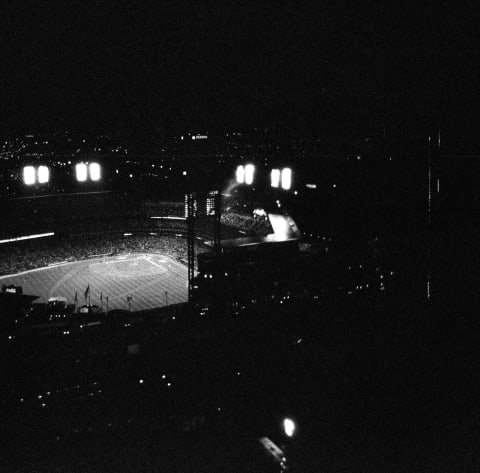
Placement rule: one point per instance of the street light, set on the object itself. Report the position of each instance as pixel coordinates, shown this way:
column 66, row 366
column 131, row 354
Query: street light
column 289, row 427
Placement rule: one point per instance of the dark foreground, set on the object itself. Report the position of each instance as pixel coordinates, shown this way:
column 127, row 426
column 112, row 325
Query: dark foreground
column 374, row 384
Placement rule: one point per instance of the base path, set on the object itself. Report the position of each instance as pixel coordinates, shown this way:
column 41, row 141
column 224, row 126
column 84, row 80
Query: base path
column 152, row 280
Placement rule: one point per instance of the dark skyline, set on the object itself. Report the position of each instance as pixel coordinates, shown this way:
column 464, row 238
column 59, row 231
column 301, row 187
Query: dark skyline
column 178, row 65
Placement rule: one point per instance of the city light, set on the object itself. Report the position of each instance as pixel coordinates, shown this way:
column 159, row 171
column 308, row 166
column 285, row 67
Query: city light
column 275, row 177
column 289, row 427
column 81, row 172
column 286, row 179
column 249, row 173
column 29, row 175
column 43, row 174
column 95, row 173
column 240, row 174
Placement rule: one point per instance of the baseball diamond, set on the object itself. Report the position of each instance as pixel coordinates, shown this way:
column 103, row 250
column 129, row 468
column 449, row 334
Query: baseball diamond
column 151, row 280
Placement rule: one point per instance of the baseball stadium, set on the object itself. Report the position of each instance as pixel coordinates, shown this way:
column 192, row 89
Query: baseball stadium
column 105, row 250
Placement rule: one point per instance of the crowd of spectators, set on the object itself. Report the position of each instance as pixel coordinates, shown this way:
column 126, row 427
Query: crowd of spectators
column 247, row 224
column 108, row 225
column 23, row 256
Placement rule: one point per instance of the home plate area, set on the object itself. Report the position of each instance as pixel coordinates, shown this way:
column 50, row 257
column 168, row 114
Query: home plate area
column 132, row 266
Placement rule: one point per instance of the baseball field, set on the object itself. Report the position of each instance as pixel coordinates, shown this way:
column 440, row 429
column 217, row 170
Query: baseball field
column 141, row 280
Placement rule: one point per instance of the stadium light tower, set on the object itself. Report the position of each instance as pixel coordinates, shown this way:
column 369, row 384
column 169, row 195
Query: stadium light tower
column 29, row 177
column 249, row 174
column 32, row 175
column 43, row 174
column 240, row 174
column 245, row 174
column 286, row 179
column 275, row 177
column 81, row 172
column 88, row 171
column 95, row 171
column 281, row 178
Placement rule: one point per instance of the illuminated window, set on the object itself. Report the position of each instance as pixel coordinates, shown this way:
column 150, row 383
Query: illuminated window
column 43, row 174
column 286, row 179
column 94, row 169
column 240, row 174
column 275, row 177
column 81, row 172
column 29, row 175
column 249, row 172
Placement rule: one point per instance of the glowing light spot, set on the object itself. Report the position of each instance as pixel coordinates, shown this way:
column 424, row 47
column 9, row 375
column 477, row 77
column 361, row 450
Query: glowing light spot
column 249, row 173
column 81, row 172
column 95, row 171
column 43, row 174
column 29, row 175
column 240, row 174
column 286, row 179
column 275, row 178
column 289, row 427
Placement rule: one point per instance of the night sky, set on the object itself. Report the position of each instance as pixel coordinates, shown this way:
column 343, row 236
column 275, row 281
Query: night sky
column 210, row 65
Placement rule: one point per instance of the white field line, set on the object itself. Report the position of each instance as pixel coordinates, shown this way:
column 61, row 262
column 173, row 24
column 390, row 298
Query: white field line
column 155, row 264
column 123, row 260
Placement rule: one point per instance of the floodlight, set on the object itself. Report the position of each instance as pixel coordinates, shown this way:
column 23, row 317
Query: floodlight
column 240, row 174
column 95, row 173
column 275, row 178
column 286, row 178
column 29, row 175
column 81, row 172
column 289, row 427
column 249, row 172
column 43, row 174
